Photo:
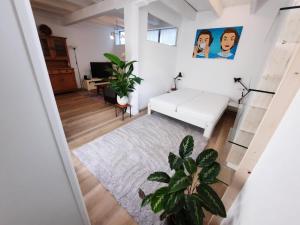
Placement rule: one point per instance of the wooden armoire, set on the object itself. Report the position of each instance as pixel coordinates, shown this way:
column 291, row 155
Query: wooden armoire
column 56, row 54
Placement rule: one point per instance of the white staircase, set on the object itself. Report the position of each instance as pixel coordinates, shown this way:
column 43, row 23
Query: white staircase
column 254, row 106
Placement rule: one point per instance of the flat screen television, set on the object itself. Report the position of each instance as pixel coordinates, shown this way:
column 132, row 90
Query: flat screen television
column 99, row 69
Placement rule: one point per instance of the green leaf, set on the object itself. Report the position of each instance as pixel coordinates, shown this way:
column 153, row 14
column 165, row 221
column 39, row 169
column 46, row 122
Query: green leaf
column 186, row 146
column 193, row 205
column 124, row 81
column 159, row 176
column 179, row 181
column 122, row 65
column 190, row 165
column 130, row 63
column 207, row 157
column 209, row 174
column 113, row 58
column 174, row 202
column 158, row 199
column 130, row 70
column 138, row 80
column 211, row 200
column 175, row 162
column 146, row 200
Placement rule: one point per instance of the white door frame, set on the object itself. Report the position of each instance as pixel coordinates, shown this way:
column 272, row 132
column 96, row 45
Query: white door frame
column 27, row 25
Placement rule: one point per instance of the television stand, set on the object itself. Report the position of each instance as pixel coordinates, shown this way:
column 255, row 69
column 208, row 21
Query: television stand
column 101, row 86
column 90, row 84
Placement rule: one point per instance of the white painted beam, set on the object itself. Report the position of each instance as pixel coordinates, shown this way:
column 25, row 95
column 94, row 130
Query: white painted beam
column 216, row 6
column 110, row 20
column 53, row 10
column 203, row 5
column 98, row 9
column 253, row 6
column 256, row 5
column 94, row 10
column 81, row 3
column 56, row 4
column 48, row 9
column 181, row 7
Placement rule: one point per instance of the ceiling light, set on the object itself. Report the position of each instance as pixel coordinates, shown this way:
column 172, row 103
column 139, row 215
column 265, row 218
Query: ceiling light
column 112, row 36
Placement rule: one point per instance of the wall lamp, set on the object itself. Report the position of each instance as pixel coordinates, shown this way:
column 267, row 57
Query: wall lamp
column 248, row 90
column 178, row 77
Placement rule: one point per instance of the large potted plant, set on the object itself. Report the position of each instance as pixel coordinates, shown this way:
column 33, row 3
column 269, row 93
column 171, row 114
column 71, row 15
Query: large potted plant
column 187, row 193
column 123, row 81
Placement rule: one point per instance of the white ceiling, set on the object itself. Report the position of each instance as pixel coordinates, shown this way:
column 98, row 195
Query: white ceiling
column 63, row 7
column 156, row 23
column 204, row 5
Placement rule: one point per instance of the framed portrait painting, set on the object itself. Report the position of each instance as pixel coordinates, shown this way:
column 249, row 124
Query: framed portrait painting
column 217, row 42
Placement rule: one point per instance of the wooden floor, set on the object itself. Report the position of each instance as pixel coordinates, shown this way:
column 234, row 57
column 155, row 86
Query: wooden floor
column 85, row 117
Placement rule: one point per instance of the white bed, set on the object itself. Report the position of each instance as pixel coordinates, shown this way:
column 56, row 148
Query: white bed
column 202, row 109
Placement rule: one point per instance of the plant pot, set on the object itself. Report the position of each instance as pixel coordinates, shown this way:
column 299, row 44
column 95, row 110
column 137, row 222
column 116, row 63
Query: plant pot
column 169, row 221
column 123, row 100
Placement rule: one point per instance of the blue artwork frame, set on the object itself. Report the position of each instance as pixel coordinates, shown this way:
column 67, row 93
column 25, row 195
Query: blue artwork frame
column 215, row 43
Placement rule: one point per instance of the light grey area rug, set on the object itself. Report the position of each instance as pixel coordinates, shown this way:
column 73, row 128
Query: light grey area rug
column 122, row 159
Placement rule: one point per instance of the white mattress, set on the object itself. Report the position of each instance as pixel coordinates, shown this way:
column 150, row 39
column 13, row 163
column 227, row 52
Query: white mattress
column 202, row 109
column 207, row 106
column 171, row 100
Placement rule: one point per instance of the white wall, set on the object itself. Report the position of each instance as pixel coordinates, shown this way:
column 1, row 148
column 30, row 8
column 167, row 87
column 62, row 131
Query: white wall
column 92, row 40
column 156, row 61
column 160, row 63
column 34, row 187
column 270, row 195
column 216, row 75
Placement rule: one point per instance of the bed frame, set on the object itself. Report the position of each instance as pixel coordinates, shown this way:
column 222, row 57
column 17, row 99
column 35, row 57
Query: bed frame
column 193, row 118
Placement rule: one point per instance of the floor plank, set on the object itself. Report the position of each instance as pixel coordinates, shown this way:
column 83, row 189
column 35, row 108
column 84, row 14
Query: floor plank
column 86, row 117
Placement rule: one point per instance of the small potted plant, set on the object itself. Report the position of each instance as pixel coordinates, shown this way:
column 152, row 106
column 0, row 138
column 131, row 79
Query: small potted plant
column 123, row 81
column 187, row 193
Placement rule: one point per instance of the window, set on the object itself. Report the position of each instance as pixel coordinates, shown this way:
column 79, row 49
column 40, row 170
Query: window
column 166, row 36
column 119, row 37
column 153, row 35
column 160, row 31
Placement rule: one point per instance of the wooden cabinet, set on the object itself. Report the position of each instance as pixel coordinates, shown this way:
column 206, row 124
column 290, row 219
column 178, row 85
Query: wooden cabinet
column 62, row 80
column 56, row 55
column 46, row 47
